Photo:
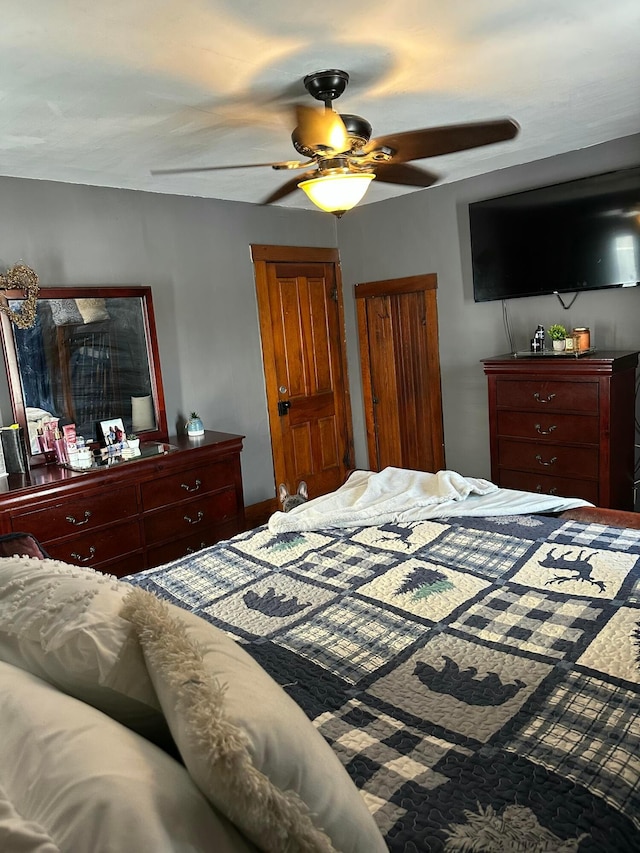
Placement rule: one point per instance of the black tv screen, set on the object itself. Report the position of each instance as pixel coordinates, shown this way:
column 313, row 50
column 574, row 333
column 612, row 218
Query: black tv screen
column 574, row 236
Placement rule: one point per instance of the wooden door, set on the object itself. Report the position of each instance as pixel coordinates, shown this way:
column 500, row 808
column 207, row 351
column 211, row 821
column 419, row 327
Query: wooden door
column 302, row 327
column 398, row 333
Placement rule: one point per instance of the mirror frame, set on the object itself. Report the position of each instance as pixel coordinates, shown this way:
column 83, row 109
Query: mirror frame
column 13, row 370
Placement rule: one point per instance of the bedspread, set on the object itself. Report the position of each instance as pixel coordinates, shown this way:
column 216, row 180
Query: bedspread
column 478, row 677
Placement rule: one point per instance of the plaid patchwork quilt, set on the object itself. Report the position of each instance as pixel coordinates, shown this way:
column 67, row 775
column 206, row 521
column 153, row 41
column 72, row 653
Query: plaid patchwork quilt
column 478, row 678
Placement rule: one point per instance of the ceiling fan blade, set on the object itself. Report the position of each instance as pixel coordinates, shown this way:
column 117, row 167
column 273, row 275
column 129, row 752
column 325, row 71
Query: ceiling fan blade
column 433, row 141
column 400, row 173
column 289, row 187
column 321, row 128
column 286, row 164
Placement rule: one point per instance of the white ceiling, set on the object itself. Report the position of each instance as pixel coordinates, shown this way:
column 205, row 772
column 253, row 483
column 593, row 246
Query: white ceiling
column 103, row 93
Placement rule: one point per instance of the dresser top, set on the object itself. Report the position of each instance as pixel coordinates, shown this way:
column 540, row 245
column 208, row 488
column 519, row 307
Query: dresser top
column 563, row 358
column 600, row 362
column 179, row 450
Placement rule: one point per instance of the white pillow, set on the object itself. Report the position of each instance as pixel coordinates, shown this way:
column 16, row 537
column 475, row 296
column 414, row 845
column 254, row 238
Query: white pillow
column 61, row 623
column 248, row 746
column 79, row 781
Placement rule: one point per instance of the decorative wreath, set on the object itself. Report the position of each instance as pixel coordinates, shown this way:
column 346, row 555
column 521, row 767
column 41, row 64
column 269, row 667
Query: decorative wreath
column 20, row 277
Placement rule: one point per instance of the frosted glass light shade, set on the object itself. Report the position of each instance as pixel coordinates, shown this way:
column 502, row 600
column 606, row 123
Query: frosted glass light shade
column 337, row 193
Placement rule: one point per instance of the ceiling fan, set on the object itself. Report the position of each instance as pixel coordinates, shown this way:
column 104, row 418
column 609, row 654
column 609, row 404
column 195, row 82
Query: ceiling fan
column 342, row 158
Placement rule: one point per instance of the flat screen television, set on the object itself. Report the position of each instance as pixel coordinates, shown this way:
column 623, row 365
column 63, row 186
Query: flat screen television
column 569, row 237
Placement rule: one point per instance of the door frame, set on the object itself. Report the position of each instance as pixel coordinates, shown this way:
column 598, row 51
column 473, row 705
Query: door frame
column 261, row 255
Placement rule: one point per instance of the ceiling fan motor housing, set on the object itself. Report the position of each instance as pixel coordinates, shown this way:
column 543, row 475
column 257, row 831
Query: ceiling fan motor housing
column 358, row 129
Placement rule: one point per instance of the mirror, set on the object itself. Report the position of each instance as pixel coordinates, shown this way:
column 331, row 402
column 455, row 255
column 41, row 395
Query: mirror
column 91, row 356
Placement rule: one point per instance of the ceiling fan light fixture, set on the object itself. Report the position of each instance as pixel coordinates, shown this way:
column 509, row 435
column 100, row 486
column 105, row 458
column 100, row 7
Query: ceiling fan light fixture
column 337, row 193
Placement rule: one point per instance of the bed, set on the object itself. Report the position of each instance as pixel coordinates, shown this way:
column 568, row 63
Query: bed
column 476, row 676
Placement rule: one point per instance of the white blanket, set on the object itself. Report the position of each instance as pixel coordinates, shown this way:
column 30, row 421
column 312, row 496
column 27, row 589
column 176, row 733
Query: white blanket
column 393, row 495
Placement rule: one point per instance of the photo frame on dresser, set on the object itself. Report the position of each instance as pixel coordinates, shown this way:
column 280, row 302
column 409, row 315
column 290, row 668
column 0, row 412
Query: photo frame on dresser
column 91, row 356
column 112, row 432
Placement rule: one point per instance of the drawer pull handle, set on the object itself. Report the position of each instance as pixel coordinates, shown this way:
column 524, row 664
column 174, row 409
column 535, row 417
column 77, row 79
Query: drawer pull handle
column 545, row 431
column 536, row 396
column 199, row 548
column 74, row 521
column 550, row 462
column 552, row 491
column 193, row 488
column 197, row 520
column 82, row 559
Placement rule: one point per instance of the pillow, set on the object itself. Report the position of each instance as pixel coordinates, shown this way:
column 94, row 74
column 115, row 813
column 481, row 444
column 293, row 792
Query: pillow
column 65, row 312
column 93, row 309
column 249, row 747
column 77, row 780
column 61, row 623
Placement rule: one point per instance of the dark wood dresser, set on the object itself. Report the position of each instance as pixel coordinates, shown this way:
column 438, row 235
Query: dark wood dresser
column 135, row 514
column 564, row 425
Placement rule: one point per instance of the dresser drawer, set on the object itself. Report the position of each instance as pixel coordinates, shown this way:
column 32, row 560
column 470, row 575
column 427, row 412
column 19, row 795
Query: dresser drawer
column 183, row 518
column 549, row 427
column 183, row 485
column 130, row 564
column 545, row 458
column 547, row 484
column 177, row 548
column 77, row 515
column 94, row 548
column 545, row 394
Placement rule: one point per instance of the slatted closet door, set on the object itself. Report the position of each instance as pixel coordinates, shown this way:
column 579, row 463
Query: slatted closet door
column 398, row 333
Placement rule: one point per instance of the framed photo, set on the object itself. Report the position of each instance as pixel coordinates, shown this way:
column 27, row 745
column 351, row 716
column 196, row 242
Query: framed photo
column 112, row 432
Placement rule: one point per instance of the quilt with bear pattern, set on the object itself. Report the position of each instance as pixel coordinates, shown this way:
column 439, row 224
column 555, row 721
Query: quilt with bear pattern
column 478, row 677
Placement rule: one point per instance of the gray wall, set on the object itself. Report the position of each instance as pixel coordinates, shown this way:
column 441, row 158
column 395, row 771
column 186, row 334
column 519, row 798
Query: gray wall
column 195, row 254
column 428, row 232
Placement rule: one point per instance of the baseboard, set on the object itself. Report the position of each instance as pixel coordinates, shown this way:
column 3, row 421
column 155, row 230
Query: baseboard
column 259, row 513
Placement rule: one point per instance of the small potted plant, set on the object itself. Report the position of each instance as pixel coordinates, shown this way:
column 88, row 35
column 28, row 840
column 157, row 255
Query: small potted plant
column 133, row 441
column 194, row 426
column 557, row 333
